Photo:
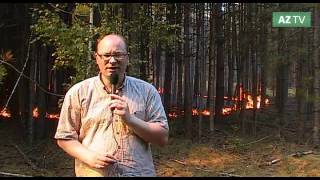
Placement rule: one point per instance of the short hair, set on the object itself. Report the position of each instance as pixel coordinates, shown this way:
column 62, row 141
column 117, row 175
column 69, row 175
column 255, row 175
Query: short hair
column 118, row 35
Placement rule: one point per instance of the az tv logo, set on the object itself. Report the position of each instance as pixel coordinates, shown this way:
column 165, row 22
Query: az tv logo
column 291, row 19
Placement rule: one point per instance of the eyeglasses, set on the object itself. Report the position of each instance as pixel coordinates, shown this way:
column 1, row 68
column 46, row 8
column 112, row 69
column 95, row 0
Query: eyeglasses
column 116, row 56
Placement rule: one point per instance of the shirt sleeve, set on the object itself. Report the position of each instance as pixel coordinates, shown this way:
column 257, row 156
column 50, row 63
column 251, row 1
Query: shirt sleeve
column 155, row 109
column 69, row 120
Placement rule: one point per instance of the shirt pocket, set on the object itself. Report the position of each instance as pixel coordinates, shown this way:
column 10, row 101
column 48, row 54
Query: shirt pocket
column 140, row 114
column 138, row 110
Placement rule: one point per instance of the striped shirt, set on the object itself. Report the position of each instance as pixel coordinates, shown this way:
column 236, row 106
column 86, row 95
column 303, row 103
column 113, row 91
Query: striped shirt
column 85, row 117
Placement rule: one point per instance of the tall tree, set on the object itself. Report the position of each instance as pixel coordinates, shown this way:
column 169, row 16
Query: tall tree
column 187, row 73
column 220, row 63
column 178, row 57
column 253, row 52
column 281, row 77
column 212, row 69
column 300, row 92
column 316, row 79
column 43, row 81
column 168, row 61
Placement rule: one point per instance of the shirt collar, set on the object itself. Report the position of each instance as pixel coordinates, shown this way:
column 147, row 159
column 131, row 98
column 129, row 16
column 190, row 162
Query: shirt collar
column 101, row 85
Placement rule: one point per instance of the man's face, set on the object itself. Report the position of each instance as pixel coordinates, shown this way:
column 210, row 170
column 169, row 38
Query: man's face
column 111, row 56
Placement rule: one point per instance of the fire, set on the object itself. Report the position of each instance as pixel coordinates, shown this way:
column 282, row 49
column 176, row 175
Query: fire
column 249, row 103
column 160, row 90
column 226, row 110
column 173, row 115
column 5, row 113
column 35, row 114
column 205, row 112
column 52, row 116
column 195, row 112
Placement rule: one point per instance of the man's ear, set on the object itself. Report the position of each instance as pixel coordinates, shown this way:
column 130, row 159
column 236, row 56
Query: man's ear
column 93, row 55
column 128, row 66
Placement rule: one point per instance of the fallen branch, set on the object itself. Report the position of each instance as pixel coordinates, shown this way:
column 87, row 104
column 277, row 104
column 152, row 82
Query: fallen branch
column 201, row 169
column 230, row 147
column 25, row 157
column 273, row 162
column 180, row 162
column 13, row 174
column 297, row 154
column 229, row 175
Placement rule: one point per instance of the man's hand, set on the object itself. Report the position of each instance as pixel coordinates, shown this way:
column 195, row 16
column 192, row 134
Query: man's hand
column 151, row 132
column 91, row 158
column 120, row 107
column 99, row 160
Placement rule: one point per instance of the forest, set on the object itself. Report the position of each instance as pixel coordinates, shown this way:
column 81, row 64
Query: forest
column 242, row 96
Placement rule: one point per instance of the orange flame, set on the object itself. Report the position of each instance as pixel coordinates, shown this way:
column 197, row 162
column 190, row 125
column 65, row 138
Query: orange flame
column 195, row 112
column 227, row 110
column 249, row 103
column 52, row 116
column 5, row 113
column 205, row 112
column 160, row 90
column 35, row 112
column 173, row 115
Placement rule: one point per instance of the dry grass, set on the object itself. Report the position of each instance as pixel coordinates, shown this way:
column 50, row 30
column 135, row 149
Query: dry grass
column 234, row 156
column 183, row 158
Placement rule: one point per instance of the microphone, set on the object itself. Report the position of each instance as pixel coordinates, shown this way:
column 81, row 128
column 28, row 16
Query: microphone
column 114, row 80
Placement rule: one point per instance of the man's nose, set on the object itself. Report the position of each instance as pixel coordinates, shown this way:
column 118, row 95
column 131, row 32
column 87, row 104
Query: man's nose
column 112, row 60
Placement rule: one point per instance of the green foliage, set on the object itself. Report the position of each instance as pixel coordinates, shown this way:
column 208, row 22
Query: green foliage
column 4, row 56
column 70, row 42
column 3, row 73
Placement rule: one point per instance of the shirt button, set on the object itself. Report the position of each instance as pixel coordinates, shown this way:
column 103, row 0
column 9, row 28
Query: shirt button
column 118, row 133
column 119, row 147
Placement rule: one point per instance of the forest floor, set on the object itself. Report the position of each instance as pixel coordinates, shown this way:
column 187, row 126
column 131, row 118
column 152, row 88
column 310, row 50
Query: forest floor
column 223, row 153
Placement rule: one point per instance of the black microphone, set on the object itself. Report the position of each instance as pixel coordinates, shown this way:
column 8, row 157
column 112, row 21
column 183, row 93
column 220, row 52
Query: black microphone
column 114, row 80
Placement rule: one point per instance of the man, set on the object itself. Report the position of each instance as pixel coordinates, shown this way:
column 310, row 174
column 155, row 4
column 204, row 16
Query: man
column 110, row 134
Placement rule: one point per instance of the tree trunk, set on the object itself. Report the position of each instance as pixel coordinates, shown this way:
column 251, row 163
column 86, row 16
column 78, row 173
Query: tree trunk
column 179, row 61
column 282, row 79
column 22, row 111
column 300, row 89
column 253, row 51
column 220, row 63
column 316, row 86
column 187, row 74
column 169, row 62
column 32, row 91
column 230, row 51
column 212, row 75
column 43, row 62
